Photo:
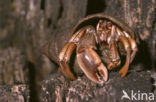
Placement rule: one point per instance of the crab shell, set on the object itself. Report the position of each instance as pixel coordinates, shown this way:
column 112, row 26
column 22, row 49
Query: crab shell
column 93, row 20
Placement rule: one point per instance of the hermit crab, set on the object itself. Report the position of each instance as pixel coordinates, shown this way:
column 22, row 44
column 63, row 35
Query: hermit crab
column 99, row 41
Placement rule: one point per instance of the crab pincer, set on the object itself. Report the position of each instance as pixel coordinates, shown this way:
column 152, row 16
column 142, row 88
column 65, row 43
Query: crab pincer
column 88, row 60
column 91, row 65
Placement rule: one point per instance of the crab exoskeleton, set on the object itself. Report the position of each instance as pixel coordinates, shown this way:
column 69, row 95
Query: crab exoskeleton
column 99, row 33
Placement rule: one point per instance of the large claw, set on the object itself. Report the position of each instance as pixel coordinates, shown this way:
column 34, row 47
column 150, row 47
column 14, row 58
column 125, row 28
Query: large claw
column 91, row 65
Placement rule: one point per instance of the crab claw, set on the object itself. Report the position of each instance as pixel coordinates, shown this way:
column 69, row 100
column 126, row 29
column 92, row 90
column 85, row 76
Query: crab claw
column 91, row 65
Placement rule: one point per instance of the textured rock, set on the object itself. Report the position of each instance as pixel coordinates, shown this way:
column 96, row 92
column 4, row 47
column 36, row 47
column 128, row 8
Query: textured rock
column 56, row 87
column 12, row 67
column 14, row 93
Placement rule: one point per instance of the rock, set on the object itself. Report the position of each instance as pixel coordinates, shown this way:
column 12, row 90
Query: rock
column 12, row 63
column 58, row 88
column 14, row 93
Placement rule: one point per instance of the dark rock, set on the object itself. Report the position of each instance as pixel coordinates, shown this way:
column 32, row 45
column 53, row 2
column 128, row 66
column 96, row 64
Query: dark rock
column 56, row 87
column 14, row 93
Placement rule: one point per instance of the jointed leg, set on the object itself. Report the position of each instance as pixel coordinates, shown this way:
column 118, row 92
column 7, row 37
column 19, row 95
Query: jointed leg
column 124, row 69
column 129, row 44
column 113, row 51
column 64, row 57
column 133, row 46
column 114, row 56
column 66, row 53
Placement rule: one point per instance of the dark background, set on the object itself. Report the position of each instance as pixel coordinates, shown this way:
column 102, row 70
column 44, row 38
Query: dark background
column 26, row 25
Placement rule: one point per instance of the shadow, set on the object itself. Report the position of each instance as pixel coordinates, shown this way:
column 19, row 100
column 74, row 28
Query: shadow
column 95, row 6
column 33, row 85
column 143, row 56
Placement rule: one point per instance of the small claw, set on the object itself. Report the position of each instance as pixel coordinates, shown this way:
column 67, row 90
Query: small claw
column 91, row 65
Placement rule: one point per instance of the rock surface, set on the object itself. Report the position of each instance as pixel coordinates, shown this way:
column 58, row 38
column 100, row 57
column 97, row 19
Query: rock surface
column 57, row 88
column 14, row 93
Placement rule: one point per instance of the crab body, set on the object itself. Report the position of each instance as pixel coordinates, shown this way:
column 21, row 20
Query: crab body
column 99, row 41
